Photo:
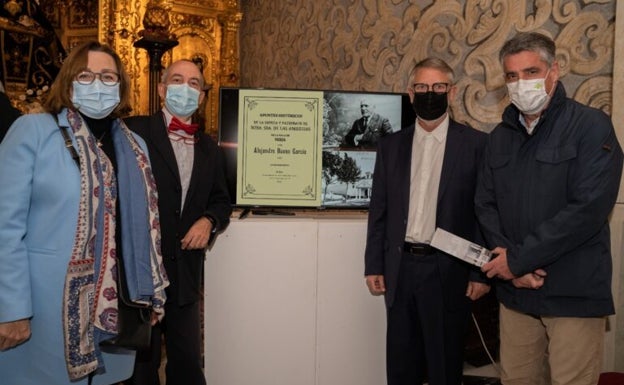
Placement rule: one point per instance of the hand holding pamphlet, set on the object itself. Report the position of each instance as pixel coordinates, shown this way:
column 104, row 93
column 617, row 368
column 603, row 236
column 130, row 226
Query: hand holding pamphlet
column 460, row 248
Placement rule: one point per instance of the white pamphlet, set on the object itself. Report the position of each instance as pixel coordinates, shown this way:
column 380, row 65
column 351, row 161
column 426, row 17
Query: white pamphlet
column 460, row 247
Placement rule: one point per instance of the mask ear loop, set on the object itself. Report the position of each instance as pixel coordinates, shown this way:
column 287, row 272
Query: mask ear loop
column 552, row 90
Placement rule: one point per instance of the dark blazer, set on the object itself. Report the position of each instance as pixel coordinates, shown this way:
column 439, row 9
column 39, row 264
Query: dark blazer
column 389, row 206
column 207, row 196
column 376, row 127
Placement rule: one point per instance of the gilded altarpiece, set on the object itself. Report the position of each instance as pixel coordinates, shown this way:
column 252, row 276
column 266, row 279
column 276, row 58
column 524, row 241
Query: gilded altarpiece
column 207, row 32
column 74, row 21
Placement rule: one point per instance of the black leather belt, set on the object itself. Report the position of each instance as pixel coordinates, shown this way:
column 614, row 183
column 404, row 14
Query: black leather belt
column 418, row 248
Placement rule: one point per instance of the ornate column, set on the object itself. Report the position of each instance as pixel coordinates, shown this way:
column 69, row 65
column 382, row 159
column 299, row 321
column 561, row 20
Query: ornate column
column 157, row 40
column 229, row 75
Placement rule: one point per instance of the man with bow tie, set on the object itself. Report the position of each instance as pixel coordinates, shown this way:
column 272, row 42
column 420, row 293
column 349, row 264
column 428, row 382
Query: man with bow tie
column 194, row 206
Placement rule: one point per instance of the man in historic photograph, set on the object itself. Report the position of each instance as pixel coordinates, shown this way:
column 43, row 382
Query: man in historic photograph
column 366, row 130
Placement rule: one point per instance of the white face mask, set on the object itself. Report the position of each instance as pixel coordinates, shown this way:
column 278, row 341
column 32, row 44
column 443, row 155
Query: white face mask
column 181, row 100
column 95, row 100
column 529, row 96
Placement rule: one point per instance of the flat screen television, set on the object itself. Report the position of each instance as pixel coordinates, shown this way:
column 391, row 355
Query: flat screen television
column 348, row 143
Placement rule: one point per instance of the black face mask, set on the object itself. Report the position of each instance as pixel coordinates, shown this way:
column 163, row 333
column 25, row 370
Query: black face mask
column 430, row 105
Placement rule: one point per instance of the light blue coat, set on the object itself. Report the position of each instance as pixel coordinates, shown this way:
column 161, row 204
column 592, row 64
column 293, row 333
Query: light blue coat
column 39, row 197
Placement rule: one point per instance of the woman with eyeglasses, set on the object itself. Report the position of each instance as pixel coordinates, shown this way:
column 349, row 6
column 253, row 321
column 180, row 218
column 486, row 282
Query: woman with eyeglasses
column 76, row 195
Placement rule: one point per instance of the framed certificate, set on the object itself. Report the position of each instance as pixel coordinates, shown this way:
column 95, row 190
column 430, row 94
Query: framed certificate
column 279, row 146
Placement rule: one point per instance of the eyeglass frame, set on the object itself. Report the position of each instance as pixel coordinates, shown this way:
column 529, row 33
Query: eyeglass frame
column 98, row 75
column 427, row 87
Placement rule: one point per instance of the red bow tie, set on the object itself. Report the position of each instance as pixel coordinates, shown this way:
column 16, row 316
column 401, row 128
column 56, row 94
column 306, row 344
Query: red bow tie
column 176, row 125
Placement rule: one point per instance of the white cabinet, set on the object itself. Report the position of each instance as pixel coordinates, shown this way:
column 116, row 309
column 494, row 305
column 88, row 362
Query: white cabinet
column 286, row 304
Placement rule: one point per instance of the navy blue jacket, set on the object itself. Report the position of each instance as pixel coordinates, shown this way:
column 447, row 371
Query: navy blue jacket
column 389, row 206
column 546, row 198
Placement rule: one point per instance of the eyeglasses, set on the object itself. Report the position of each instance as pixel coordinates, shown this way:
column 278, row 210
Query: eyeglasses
column 107, row 78
column 438, row 88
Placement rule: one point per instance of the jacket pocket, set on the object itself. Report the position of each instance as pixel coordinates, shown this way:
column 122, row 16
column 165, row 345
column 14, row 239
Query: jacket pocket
column 550, row 176
column 555, row 155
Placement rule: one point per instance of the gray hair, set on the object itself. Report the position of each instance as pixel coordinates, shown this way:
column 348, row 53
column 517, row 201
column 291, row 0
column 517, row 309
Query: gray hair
column 530, row 41
column 434, row 63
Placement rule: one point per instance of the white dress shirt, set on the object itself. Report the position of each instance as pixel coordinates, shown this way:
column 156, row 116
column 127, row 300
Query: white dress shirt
column 426, row 167
column 184, row 149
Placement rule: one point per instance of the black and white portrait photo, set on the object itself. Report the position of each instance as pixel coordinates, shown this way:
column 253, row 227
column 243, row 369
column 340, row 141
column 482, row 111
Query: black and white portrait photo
column 357, row 120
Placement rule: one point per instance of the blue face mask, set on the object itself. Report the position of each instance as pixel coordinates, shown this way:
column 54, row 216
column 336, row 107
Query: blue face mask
column 181, row 100
column 95, row 100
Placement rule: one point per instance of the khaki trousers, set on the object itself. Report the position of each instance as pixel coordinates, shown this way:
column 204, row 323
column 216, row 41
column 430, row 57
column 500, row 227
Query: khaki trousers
column 550, row 350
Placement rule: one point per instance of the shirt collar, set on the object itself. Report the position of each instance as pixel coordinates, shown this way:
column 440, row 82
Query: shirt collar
column 168, row 117
column 439, row 133
column 531, row 127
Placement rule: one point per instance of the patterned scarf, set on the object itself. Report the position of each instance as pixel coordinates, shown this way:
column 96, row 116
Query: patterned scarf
column 90, row 294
